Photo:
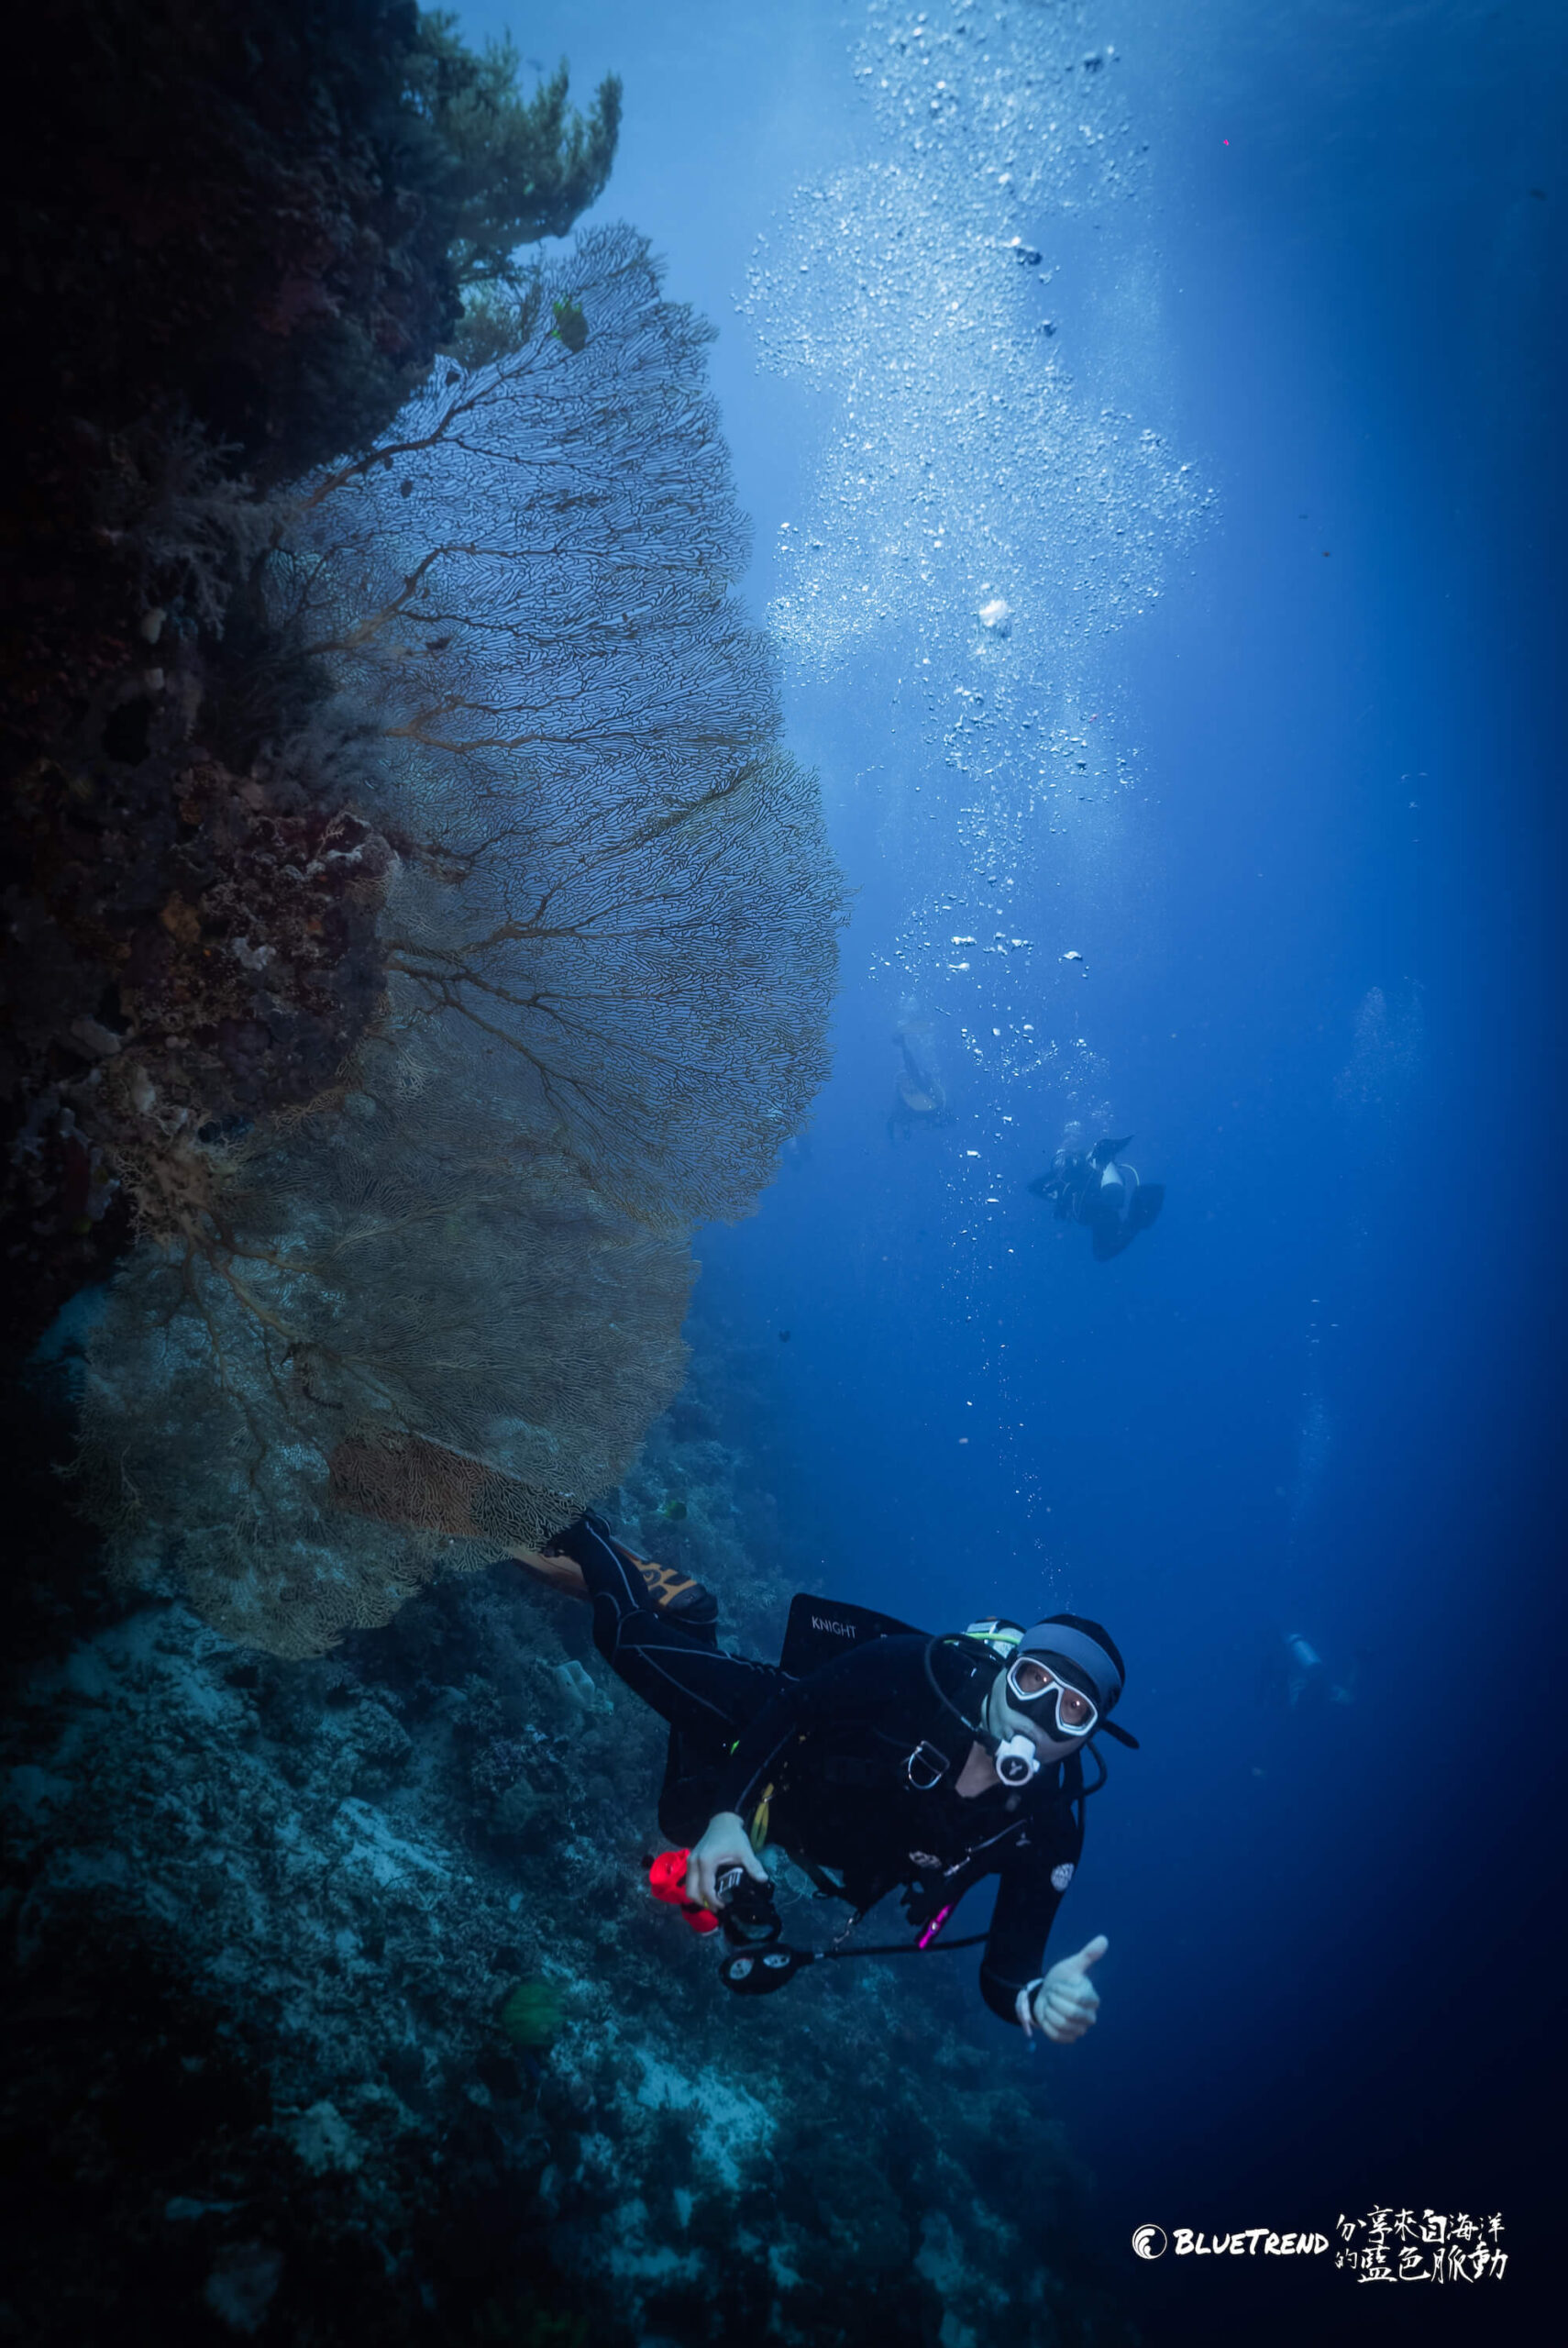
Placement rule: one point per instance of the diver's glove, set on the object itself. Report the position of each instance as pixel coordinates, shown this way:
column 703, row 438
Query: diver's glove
column 1063, row 2001
column 724, row 1844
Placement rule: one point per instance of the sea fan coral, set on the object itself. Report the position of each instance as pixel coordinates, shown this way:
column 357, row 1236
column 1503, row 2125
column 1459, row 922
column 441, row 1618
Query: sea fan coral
column 621, row 879
column 606, row 944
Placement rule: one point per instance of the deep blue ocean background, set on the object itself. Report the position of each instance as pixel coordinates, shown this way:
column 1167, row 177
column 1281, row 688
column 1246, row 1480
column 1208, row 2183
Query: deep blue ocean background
column 1323, row 974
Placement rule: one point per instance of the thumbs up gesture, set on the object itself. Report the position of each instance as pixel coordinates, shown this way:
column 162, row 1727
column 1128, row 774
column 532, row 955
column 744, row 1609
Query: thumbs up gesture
column 1064, row 2003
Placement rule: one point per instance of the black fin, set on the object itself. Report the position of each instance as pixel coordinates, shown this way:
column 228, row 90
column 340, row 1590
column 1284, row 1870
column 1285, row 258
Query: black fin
column 1104, row 1152
column 1147, row 1200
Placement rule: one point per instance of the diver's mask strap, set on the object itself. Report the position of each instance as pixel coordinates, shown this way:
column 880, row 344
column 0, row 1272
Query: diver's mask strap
column 1122, row 1736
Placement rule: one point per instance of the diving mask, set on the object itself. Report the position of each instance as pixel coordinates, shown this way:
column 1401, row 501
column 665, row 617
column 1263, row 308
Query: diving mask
column 1035, row 1691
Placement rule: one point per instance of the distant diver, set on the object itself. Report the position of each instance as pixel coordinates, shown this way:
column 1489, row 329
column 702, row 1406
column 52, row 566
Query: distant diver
column 875, row 1756
column 918, row 1096
column 1090, row 1187
column 1299, row 1680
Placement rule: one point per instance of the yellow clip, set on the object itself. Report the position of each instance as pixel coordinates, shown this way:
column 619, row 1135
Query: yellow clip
column 760, row 1818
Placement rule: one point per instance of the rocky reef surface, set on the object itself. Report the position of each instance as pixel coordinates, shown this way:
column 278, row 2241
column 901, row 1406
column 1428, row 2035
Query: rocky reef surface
column 338, row 2007
column 237, row 232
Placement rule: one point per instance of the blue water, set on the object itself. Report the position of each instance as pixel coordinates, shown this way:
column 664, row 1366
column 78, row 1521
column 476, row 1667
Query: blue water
column 1314, row 881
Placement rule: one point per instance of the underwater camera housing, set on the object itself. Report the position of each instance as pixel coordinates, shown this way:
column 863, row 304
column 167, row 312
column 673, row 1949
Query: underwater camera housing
column 748, row 1908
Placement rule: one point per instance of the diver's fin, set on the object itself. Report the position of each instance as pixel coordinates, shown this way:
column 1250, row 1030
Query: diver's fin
column 559, row 1573
column 1104, row 1152
column 1147, row 1200
column 678, row 1595
column 1110, row 1236
column 671, row 1593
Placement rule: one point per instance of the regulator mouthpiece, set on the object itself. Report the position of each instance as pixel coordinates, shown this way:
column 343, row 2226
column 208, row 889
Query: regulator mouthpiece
column 1016, row 1760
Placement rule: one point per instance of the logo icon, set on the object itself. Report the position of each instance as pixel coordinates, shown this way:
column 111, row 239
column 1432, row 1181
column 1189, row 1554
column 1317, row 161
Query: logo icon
column 1061, row 1876
column 1148, row 2242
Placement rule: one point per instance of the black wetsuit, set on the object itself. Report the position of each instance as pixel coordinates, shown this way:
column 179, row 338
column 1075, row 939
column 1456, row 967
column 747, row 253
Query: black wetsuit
column 863, row 1759
column 1075, row 1183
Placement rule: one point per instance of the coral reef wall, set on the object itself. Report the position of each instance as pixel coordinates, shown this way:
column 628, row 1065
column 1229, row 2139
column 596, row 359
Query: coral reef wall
column 415, row 922
column 234, row 237
column 416, row 925
column 348, row 1978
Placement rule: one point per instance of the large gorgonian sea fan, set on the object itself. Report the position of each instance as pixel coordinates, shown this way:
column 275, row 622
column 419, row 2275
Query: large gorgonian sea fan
column 621, row 878
column 432, row 1314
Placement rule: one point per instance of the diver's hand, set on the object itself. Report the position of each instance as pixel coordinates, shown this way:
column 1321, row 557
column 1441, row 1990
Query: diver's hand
column 724, row 1844
column 1064, row 2004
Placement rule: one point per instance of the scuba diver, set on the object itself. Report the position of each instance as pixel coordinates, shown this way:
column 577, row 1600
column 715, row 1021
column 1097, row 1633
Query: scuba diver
column 1088, row 1186
column 900, row 1760
column 918, row 1096
column 1299, row 1680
